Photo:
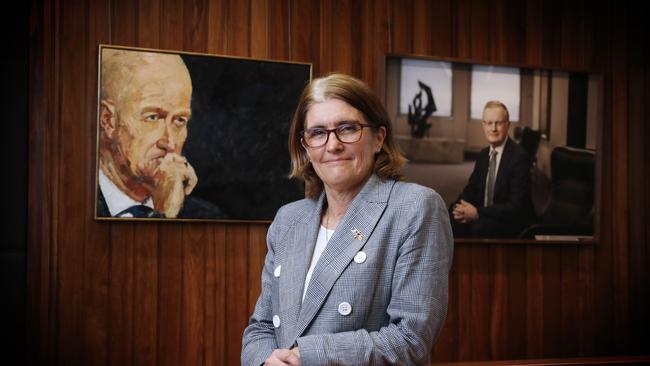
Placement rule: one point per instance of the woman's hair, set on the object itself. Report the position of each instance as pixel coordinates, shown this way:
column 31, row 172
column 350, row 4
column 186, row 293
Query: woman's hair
column 356, row 93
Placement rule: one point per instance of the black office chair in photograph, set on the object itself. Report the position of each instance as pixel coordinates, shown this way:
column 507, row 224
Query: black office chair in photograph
column 570, row 208
column 530, row 142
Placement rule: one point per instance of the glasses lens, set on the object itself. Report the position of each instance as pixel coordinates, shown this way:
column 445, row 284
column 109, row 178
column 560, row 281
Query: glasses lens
column 349, row 132
column 315, row 137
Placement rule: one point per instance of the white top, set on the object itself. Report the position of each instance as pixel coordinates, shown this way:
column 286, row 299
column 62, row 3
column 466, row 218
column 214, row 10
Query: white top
column 321, row 242
column 499, row 150
column 116, row 200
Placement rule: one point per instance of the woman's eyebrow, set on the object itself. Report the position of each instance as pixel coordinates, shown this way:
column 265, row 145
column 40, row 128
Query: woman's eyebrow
column 336, row 124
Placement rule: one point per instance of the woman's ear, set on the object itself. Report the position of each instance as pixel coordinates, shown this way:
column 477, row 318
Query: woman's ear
column 380, row 136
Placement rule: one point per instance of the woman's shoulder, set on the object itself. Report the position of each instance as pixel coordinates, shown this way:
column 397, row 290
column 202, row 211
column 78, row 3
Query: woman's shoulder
column 295, row 211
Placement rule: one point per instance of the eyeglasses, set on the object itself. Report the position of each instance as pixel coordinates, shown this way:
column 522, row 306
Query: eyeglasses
column 491, row 124
column 346, row 133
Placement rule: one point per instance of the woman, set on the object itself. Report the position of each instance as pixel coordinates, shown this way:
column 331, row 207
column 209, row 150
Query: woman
column 356, row 273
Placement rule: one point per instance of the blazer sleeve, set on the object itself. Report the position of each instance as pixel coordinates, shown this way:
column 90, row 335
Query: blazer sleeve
column 259, row 340
column 418, row 302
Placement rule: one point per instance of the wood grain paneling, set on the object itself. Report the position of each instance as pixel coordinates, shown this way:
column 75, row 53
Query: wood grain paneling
column 639, row 142
column 304, row 31
column 279, row 23
column 181, row 293
column 401, row 26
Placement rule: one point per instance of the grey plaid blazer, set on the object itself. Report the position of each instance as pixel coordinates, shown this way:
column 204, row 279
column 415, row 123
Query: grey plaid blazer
column 397, row 295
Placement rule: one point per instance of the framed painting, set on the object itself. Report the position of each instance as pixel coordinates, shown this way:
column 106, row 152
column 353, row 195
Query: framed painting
column 186, row 136
column 546, row 182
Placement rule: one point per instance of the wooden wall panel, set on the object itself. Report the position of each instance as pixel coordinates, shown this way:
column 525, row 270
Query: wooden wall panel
column 181, row 293
column 620, row 161
column 639, row 153
column 217, row 26
column 170, row 261
column 534, row 309
column 422, row 10
column 401, row 26
column 145, row 296
column 71, row 307
column 98, row 262
column 304, row 32
column 375, row 39
column 192, row 304
column 236, row 297
column 219, row 307
column 259, row 29
column 441, row 23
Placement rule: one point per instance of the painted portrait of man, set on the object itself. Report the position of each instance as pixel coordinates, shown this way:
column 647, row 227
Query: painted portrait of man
column 144, row 113
column 194, row 136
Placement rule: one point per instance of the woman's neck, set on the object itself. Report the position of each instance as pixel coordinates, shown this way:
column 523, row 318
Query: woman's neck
column 337, row 205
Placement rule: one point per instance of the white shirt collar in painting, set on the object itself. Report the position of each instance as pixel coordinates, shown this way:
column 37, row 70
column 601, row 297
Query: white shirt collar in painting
column 116, row 200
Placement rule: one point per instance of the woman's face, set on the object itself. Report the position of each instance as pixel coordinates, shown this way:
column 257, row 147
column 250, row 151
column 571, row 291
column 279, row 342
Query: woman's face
column 343, row 167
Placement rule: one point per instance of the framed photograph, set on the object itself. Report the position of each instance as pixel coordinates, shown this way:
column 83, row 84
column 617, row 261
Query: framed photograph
column 185, row 136
column 451, row 115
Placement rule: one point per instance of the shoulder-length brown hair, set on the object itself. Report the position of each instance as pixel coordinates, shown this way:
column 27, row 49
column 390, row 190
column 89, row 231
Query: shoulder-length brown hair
column 356, row 93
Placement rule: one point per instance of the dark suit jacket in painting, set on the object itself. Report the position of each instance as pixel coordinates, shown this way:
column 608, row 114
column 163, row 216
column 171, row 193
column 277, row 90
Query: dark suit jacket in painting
column 512, row 208
column 396, row 290
column 193, row 208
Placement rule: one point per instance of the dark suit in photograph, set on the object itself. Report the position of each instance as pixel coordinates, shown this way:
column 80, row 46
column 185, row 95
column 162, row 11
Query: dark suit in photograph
column 512, row 207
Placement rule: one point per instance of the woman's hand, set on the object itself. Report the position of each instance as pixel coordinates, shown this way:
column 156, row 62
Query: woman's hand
column 283, row 356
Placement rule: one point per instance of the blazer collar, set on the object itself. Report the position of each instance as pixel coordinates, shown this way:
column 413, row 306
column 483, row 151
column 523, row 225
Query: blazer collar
column 301, row 242
column 350, row 236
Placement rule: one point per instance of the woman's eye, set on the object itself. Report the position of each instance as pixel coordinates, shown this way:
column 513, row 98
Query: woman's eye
column 347, row 128
column 316, row 132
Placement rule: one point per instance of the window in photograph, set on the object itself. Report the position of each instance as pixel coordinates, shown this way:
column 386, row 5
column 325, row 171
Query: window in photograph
column 495, row 83
column 435, row 74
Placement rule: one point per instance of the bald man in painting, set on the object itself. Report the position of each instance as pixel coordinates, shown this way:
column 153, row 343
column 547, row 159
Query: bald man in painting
column 144, row 112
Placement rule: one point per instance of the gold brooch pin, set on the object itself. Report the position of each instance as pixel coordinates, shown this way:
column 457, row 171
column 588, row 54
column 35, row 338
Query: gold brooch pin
column 357, row 234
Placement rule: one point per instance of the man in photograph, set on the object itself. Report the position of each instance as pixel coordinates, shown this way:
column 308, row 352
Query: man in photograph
column 145, row 108
column 496, row 202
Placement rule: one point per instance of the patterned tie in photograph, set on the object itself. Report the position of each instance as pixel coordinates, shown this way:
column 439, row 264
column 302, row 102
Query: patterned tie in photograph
column 491, row 177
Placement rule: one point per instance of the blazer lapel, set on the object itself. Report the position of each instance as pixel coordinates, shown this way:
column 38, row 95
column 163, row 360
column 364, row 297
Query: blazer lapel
column 350, row 236
column 294, row 269
column 504, row 166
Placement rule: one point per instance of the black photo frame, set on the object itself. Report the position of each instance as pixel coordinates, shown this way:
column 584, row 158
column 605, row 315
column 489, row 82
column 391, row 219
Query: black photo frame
column 560, row 116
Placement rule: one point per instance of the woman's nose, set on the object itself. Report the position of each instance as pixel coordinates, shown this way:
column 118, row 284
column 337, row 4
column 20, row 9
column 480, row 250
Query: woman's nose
column 333, row 143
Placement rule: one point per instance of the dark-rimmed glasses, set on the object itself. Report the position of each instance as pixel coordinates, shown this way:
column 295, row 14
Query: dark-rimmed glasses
column 346, row 133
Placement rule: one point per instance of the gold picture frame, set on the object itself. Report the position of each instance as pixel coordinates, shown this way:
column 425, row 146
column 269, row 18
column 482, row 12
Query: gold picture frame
column 194, row 137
